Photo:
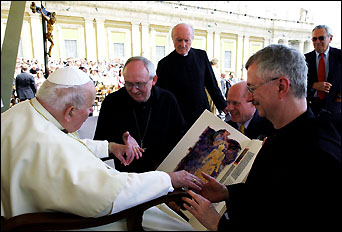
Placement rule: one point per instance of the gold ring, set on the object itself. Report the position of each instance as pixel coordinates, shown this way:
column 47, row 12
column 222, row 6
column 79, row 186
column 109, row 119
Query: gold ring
column 194, row 180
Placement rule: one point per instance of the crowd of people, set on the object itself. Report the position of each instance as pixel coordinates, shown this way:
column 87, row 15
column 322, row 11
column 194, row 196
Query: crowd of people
column 105, row 74
column 294, row 179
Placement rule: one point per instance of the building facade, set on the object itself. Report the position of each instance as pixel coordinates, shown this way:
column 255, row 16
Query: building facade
column 105, row 30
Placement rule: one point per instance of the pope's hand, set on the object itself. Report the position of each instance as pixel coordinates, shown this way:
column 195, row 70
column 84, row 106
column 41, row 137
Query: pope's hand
column 185, row 179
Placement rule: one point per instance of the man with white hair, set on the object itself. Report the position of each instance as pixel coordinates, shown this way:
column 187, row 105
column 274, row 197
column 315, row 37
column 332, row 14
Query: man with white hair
column 187, row 73
column 46, row 167
column 324, row 74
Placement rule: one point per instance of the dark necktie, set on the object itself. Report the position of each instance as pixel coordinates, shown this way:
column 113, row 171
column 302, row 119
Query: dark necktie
column 321, row 75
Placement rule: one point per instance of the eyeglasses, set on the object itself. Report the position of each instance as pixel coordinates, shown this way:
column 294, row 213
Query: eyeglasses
column 321, row 38
column 137, row 85
column 252, row 89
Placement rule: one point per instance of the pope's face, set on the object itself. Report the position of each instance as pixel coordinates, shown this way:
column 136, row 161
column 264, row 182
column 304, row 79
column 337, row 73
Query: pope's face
column 80, row 115
column 182, row 39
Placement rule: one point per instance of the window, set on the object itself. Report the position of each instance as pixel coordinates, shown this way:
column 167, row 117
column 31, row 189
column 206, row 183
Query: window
column 227, row 59
column 119, row 50
column 160, row 52
column 70, row 48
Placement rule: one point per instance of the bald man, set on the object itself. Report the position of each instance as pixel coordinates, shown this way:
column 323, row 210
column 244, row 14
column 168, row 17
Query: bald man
column 244, row 116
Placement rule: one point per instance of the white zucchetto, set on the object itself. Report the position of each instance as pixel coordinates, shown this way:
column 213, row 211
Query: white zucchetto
column 69, row 76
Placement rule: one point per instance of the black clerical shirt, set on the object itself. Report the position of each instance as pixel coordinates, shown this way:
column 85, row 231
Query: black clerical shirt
column 156, row 124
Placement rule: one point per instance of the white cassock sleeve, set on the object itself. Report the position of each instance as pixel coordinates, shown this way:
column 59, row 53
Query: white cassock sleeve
column 138, row 189
column 98, row 147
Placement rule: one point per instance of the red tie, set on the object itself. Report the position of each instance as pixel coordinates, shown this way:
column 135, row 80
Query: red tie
column 321, row 75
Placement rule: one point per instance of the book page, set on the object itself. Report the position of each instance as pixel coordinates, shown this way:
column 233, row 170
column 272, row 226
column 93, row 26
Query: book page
column 210, row 124
column 216, row 148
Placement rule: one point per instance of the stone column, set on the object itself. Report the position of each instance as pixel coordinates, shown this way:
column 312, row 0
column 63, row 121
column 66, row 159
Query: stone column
column 217, row 45
column 301, row 46
column 245, row 56
column 210, row 44
column 37, row 37
column 101, row 55
column 61, row 42
column 239, row 58
column 145, row 48
column 90, row 39
column 308, row 46
column 153, row 47
column 136, row 38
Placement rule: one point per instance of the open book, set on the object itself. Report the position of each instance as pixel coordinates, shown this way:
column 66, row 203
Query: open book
column 216, row 148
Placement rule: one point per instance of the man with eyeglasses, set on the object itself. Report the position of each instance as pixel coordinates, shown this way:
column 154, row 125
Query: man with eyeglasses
column 324, row 75
column 149, row 114
column 244, row 116
column 295, row 179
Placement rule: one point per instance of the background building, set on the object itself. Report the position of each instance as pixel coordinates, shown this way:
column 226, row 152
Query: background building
column 230, row 31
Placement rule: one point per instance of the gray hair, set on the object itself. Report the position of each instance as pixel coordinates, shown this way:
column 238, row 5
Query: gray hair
column 327, row 29
column 147, row 63
column 184, row 24
column 60, row 96
column 278, row 60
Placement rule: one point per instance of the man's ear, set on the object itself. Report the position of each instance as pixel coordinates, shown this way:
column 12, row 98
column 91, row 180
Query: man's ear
column 68, row 112
column 284, row 86
column 154, row 80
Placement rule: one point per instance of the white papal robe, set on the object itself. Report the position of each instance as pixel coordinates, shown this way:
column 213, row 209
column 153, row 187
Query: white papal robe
column 45, row 169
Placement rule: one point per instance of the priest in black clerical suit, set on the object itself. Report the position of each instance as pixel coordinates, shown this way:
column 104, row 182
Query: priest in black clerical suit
column 187, row 72
column 150, row 114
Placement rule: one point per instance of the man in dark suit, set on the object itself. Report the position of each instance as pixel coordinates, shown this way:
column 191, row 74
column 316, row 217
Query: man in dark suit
column 244, row 116
column 324, row 93
column 25, row 84
column 295, row 178
column 187, row 72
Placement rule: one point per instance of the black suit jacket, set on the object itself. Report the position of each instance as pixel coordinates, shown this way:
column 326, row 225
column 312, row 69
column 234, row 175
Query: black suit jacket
column 187, row 77
column 334, row 77
column 258, row 128
column 25, row 86
column 294, row 181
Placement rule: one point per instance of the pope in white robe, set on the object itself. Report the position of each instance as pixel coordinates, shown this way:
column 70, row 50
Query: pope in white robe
column 46, row 169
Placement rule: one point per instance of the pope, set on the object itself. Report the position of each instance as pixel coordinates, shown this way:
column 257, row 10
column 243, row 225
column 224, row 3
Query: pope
column 46, row 167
